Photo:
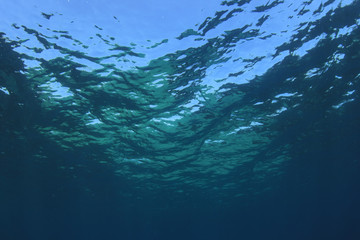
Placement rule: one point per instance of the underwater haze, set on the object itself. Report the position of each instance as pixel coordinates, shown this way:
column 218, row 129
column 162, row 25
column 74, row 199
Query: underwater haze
column 191, row 119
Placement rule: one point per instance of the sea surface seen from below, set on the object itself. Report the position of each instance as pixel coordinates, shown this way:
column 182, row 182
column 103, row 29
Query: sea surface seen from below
column 152, row 120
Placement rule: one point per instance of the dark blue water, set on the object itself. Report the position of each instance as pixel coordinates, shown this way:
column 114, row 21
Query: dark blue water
column 180, row 120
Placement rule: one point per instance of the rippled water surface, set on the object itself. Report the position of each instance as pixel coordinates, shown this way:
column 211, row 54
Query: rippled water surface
column 179, row 119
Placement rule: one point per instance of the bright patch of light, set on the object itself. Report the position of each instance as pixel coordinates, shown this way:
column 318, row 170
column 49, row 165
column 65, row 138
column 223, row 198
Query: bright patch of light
column 207, row 141
column 339, row 56
column 88, row 65
column 242, row 128
column 134, row 160
column 285, row 95
column 301, row 51
column 93, row 121
column 342, row 103
column 255, row 124
column 167, row 120
column 349, row 93
column 344, row 3
column 258, row 103
column 181, row 57
column 312, row 72
column 4, row 90
column 57, row 90
column 283, row 109
column 31, row 63
column 344, row 31
column 290, row 79
column 193, row 105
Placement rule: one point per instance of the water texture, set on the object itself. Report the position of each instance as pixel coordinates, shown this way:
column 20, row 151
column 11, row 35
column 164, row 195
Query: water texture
column 180, row 119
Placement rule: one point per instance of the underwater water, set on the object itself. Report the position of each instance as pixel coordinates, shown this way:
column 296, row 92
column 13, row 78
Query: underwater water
column 180, row 119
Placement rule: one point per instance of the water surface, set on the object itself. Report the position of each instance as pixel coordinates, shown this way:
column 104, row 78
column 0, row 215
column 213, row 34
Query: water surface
column 179, row 120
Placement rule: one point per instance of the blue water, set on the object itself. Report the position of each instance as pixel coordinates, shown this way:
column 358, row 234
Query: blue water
column 179, row 119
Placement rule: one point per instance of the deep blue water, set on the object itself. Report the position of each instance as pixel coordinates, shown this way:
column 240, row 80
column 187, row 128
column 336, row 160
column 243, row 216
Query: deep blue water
column 180, row 119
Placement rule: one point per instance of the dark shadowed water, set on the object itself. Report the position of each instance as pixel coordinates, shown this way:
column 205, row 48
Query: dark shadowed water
column 179, row 119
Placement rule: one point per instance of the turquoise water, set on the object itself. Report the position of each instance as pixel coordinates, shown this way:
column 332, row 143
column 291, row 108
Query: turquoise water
column 179, row 120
